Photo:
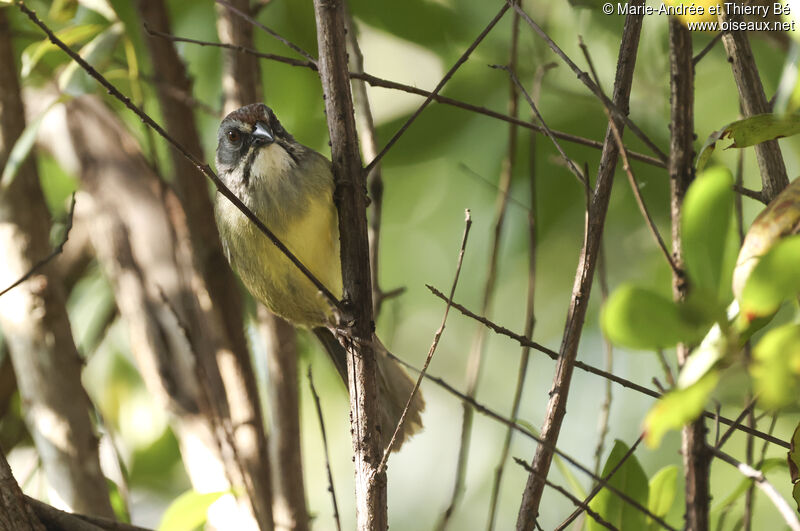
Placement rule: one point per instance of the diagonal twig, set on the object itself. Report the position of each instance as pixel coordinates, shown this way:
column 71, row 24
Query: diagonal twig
column 325, row 449
column 375, row 81
column 55, row 252
column 461, row 60
column 434, row 344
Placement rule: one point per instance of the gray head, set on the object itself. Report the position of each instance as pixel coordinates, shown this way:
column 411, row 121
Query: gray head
column 251, row 141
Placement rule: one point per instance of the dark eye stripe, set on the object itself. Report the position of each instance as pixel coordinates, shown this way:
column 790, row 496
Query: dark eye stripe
column 248, row 164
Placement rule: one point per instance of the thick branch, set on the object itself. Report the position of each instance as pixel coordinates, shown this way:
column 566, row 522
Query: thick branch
column 696, row 461
column 556, row 407
column 351, row 204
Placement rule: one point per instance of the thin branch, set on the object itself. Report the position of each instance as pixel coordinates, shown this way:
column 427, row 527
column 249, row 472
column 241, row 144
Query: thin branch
column 637, row 193
column 708, row 47
column 597, row 488
column 269, row 31
column 788, row 514
column 608, row 350
column 203, row 167
column 752, row 194
column 325, row 448
column 552, row 354
column 527, row 433
column 475, row 360
column 584, row 78
column 582, row 505
column 530, row 316
column 461, row 60
column 55, row 252
column 736, row 423
column 584, row 274
column 436, row 337
column 375, row 81
column 570, row 164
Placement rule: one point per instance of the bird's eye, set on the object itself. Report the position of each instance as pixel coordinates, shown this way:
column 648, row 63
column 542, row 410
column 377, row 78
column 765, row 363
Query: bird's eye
column 233, row 136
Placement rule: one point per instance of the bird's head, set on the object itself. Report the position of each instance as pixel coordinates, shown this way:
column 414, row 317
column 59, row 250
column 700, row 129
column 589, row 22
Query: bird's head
column 252, row 146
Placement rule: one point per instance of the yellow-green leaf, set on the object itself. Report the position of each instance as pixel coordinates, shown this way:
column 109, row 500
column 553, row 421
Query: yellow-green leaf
column 705, row 220
column 663, row 486
column 775, row 278
column 188, row 511
column 678, row 408
column 629, row 479
column 638, row 318
column 776, row 367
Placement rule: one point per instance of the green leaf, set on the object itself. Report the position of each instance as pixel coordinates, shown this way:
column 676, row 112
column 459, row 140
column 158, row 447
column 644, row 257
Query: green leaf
column 74, row 80
column 751, row 131
column 774, row 279
column 776, row 366
column 793, row 457
column 704, row 228
column 188, row 511
column 629, row 479
column 677, row 408
column 638, row 318
column 663, row 486
column 101, row 7
column 779, row 219
column 118, row 502
column 23, row 145
column 33, row 53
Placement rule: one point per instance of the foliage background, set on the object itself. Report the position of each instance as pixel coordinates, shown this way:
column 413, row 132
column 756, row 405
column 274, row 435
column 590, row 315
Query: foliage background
column 449, row 160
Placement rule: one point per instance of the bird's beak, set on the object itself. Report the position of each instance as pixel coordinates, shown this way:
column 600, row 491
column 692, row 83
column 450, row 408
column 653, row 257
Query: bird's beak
column 262, row 134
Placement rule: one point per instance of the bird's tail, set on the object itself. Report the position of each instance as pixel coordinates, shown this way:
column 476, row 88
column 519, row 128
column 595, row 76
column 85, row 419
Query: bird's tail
column 395, row 386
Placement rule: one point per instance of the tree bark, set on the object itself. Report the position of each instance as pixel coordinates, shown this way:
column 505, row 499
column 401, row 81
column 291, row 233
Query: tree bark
column 15, row 514
column 371, row 511
column 598, row 206
column 696, row 459
column 754, row 101
column 34, row 320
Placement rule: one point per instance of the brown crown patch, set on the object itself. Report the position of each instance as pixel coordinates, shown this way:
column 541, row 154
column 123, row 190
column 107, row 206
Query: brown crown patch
column 250, row 114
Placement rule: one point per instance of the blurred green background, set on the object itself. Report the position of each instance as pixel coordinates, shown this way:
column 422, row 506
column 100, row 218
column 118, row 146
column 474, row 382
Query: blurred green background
column 449, row 160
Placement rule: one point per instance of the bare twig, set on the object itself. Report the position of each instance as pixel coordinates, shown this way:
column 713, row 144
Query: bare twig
column 713, row 42
column 582, row 505
column 530, row 316
column 619, row 113
column 55, row 252
column 527, row 433
column 556, row 407
column 203, row 167
column 552, row 354
column 269, row 31
column 788, row 514
column 597, row 488
column 325, row 448
column 640, row 201
column 461, row 60
column 436, row 337
column 570, row 164
column 393, row 85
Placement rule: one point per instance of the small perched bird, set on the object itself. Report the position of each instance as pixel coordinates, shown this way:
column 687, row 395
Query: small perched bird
column 289, row 187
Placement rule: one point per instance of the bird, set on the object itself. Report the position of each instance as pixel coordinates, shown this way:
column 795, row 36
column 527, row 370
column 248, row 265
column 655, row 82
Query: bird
column 290, row 188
